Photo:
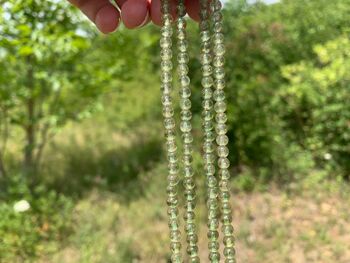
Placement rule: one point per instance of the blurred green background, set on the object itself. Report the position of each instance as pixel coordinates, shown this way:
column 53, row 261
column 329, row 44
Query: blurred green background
column 82, row 166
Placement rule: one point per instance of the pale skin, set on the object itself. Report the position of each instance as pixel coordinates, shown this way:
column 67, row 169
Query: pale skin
column 133, row 13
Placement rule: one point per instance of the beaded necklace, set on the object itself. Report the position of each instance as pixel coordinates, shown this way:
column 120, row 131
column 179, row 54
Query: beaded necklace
column 215, row 140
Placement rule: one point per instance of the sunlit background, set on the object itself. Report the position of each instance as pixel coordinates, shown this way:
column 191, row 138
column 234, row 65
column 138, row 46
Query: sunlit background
column 82, row 164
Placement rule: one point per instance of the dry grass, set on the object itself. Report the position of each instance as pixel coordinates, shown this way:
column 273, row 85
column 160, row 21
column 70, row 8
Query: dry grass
column 306, row 222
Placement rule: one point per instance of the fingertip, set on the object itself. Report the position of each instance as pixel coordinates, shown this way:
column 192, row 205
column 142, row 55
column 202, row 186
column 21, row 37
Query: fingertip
column 107, row 19
column 135, row 13
column 192, row 8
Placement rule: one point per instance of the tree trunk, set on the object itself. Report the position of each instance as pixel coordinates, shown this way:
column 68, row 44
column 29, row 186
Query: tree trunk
column 2, row 168
column 30, row 125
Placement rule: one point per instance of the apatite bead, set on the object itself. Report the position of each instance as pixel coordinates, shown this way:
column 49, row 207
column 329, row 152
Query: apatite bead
column 223, row 163
column 187, row 138
column 166, row 100
column 207, row 69
column 188, row 149
column 185, row 126
column 168, row 112
column 166, row 76
column 166, row 54
column 218, row 38
column 207, row 82
column 217, row 16
column 207, row 104
column 207, row 93
column 183, row 58
column 166, row 65
column 184, row 80
column 185, row 104
column 165, row 42
column 222, row 140
column 185, row 92
column 205, row 36
column 172, row 158
column 219, row 73
column 219, row 95
column 208, row 147
column 221, row 129
column 219, row 49
column 186, row 115
column 220, row 84
column 182, row 69
column 221, row 117
column 169, row 123
column 217, row 27
column 222, row 151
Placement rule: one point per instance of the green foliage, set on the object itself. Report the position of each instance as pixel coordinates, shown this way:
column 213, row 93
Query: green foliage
column 34, row 232
column 318, row 92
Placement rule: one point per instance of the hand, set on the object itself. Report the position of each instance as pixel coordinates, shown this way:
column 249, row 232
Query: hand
column 134, row 13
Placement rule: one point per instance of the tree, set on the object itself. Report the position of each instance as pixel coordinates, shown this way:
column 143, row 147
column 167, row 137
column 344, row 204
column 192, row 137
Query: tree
column 42, row 85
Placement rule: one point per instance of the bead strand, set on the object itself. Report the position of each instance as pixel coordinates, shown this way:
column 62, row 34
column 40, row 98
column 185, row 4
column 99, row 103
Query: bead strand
column 209, row 136
column 221, row 130
column 169, row 125
column 187, row 138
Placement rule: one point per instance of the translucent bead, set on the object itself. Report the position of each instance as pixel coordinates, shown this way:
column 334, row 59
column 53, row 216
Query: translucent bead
column 222, row 151
column 224, row 174
column 172, row 158
column 223, row 163
column 209, row 158
column 186, row 115
column 169, row 123
column 208, row 125
column 207, row 105
column 208, row 147
column 217, row 16
column 166, row 54
column 185, row 104
column 217, row 5
column 185, row 92
column 185, row 126
column 165, row 42
column 221, row 129
column 220, row 83
column 183, row 58
column 188, row 149
column 168, row 112
column 219, row 49
column 212, row 182
column 218, row 37
column 184, row 80
column 207, row 82
column 207, row 70
column 219, row 73
column 206, row 58
column 222, row 140
column 219, row 95
column 221, row 117
column 166, row 32
column 166, row 76
column 166, row 100
column 187, row 138
column 220, row 107
column 207, row 93
column 166, row 65
column 181, row 24
column 205, row 36
column 217, row 27
column 182, row 68
column 181, row 35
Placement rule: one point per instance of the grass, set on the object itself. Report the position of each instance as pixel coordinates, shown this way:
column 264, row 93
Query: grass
column 116, row 184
